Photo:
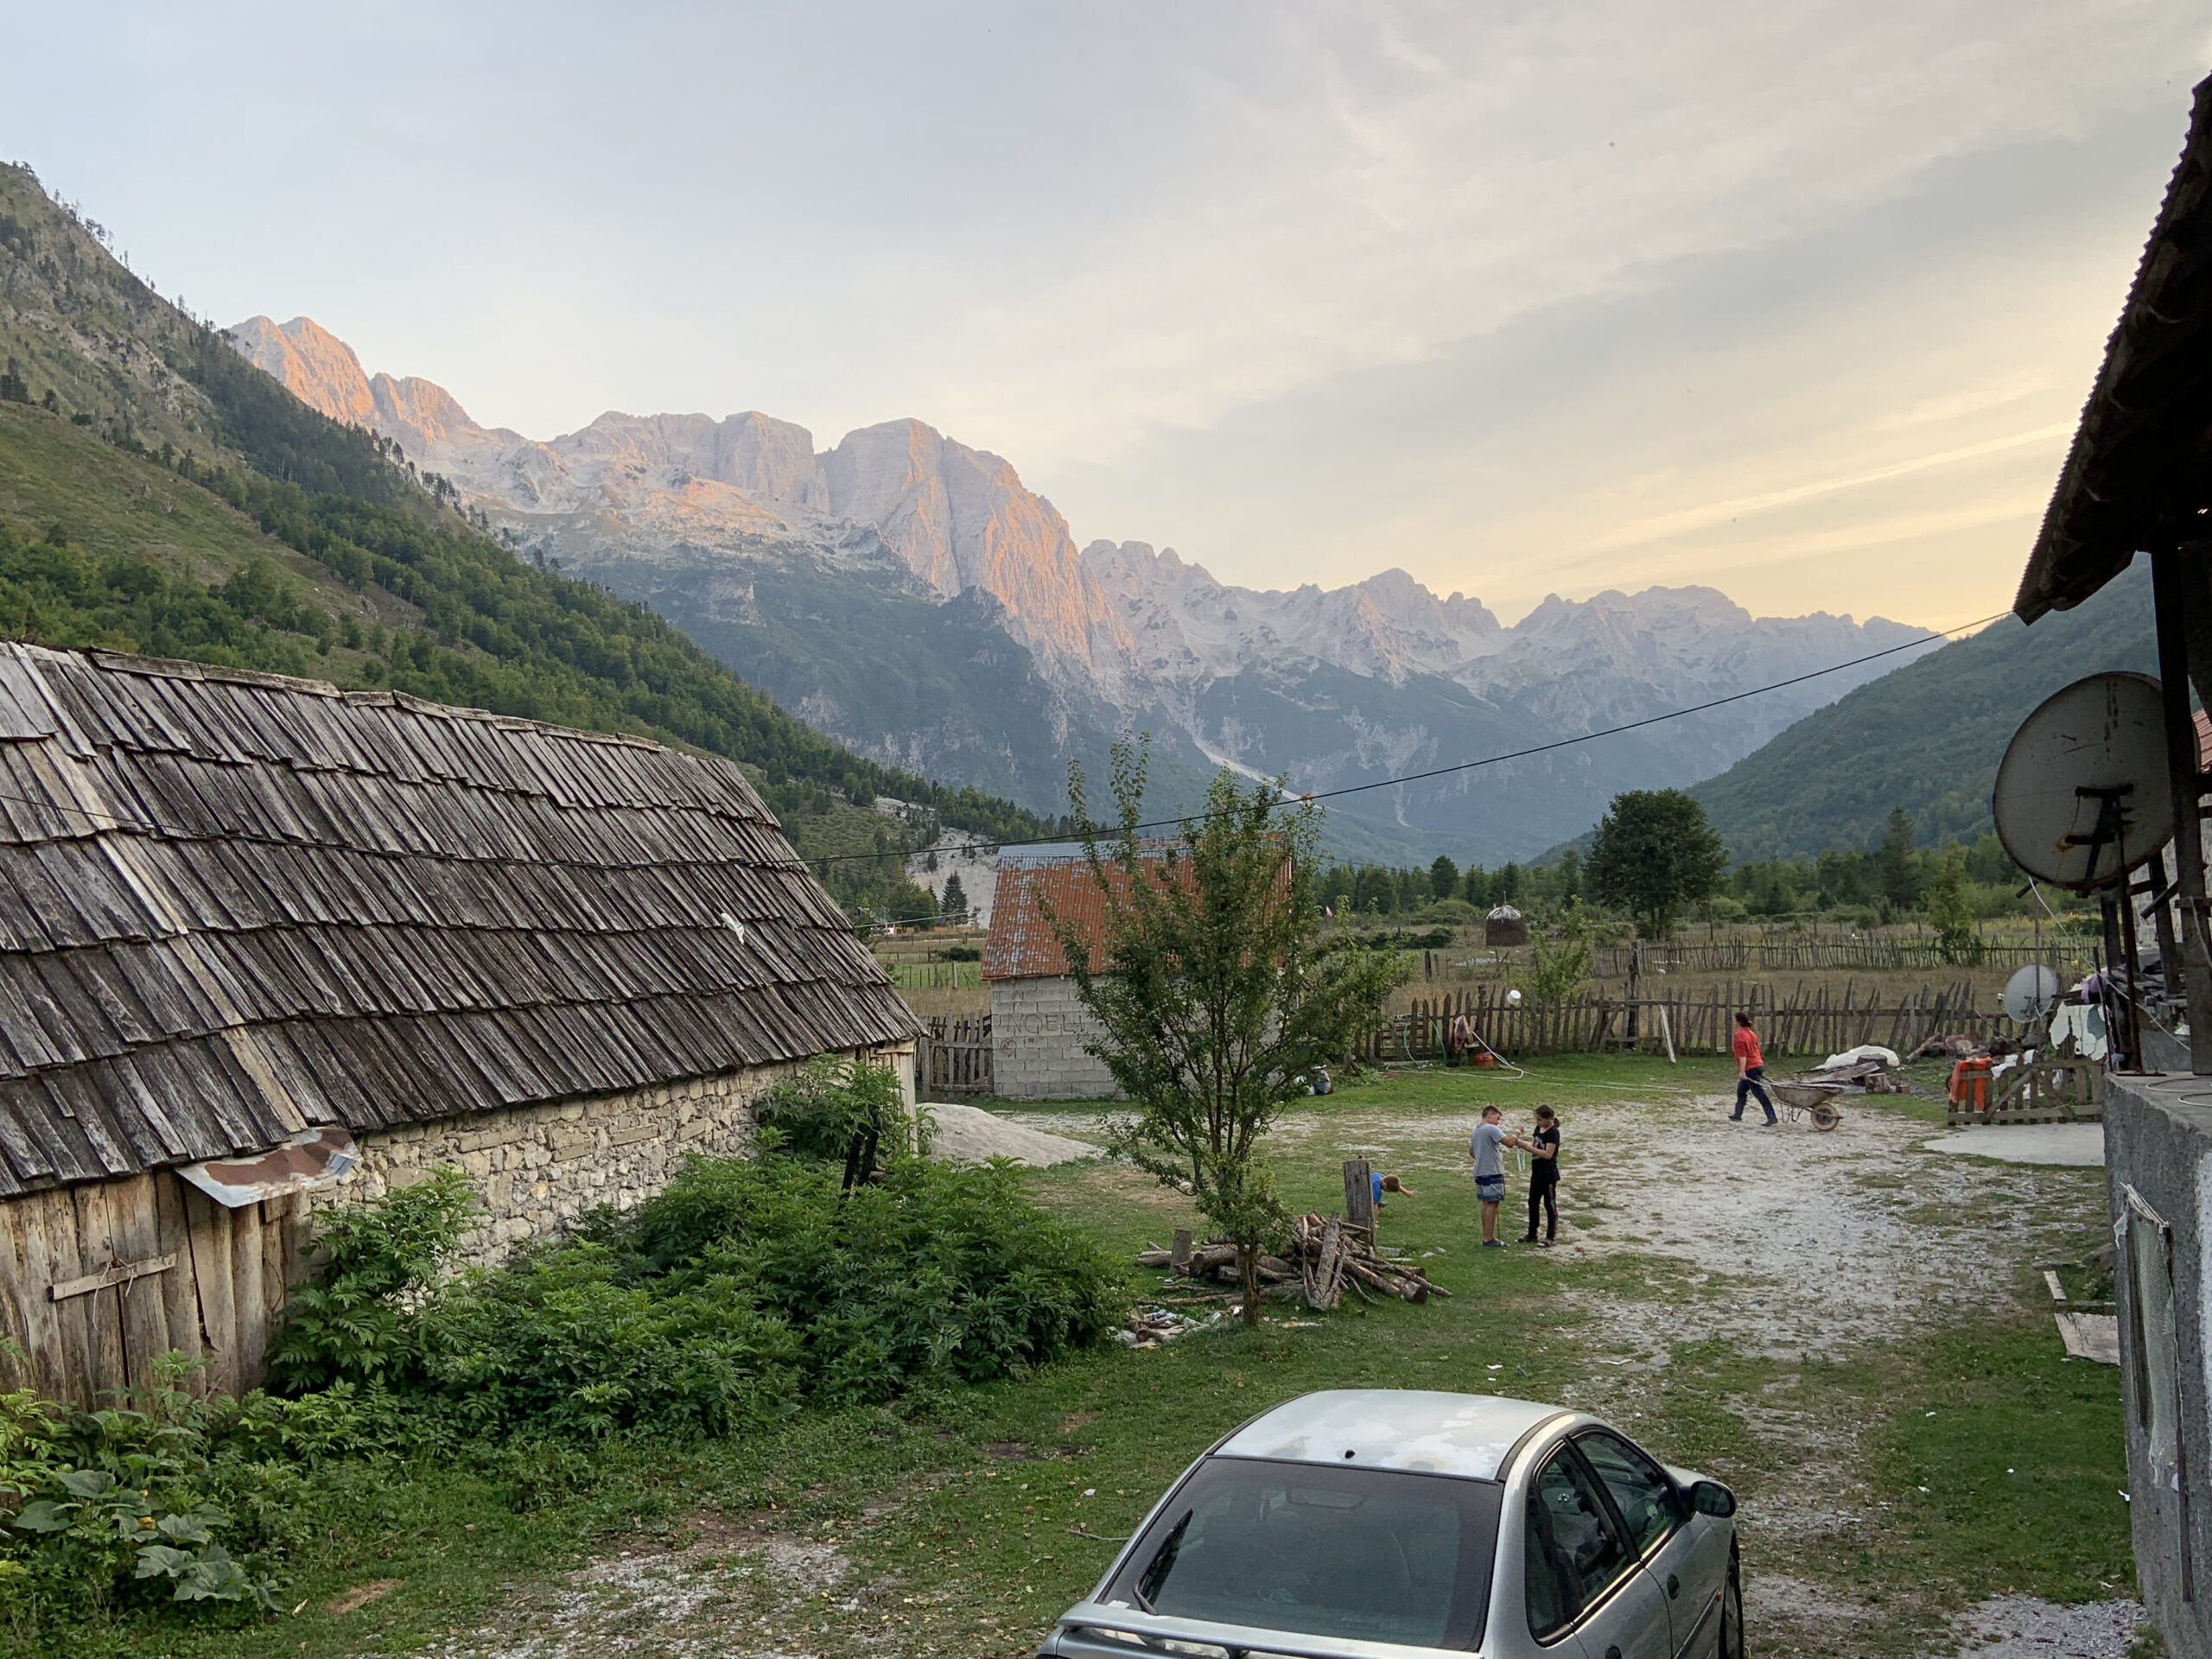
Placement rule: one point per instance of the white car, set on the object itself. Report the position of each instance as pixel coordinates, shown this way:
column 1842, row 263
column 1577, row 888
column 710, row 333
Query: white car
column 1382, row 1523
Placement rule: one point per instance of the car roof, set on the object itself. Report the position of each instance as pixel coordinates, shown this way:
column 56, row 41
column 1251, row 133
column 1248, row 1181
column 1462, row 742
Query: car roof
column 1415, row 1429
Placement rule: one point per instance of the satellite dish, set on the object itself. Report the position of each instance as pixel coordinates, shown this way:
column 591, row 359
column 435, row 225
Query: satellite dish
column 2031, row 994
column 2082, row 795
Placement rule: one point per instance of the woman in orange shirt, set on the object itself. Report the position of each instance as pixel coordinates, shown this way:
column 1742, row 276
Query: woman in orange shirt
column 1751, row 1066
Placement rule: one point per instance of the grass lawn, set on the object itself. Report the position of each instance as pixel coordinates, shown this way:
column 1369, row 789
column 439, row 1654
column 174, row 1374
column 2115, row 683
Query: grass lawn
column 1964, row 1458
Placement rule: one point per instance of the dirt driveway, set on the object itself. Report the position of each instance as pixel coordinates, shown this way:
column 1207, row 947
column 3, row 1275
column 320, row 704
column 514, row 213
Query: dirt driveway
column 1782, row 1245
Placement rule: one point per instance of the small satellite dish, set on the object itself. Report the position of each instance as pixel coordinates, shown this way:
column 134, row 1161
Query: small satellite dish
column 2082, row 795
column 2031, row 994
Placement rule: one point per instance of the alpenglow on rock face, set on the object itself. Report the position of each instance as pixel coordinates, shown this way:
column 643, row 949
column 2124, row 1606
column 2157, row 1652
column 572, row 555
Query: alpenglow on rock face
column 907, row 595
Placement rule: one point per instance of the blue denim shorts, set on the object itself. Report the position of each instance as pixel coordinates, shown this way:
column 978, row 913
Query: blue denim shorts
column 1491, row 1189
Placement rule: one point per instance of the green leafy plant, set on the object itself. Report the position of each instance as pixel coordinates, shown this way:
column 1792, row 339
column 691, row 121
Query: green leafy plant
column 1559, row 968
column 744, row 1289
column 347, row 1325
column 1653, row 854
column 111, row 1505
column 815, row 1114
column 1950, row 914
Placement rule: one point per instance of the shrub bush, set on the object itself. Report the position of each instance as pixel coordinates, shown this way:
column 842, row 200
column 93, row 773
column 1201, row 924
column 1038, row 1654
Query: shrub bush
column 115, row 1508
column 816, row 1115
column 745, row 1288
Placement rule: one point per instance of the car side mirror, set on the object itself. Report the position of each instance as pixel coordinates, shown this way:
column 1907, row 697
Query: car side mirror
column 1711, row 1497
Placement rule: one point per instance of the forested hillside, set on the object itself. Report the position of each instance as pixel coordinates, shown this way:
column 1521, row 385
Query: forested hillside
column 1927, row 738
column 158, row 494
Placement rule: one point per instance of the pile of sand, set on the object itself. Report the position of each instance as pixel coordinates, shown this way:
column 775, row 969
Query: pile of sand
column 969, row 1134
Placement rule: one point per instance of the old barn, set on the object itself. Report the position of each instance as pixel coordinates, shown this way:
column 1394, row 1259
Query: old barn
column 266, row 945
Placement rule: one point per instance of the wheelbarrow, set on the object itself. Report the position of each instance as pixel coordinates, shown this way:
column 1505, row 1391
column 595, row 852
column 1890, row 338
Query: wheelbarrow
column 1814, row 1101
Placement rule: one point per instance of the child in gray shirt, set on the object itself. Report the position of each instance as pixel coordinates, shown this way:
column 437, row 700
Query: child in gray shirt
column 1490, row 1173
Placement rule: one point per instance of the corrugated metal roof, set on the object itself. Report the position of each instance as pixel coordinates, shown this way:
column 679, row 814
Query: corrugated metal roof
column 2139, row 475
column 233, row 906
column 1022, row 945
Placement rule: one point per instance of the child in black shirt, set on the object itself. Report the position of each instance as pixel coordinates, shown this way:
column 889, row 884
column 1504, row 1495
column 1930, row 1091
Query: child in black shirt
column 1543, row 1178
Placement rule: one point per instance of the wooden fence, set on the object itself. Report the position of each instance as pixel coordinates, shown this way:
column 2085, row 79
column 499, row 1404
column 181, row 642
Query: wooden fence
column 1812, row 1025
column 935, row 976
column 955, row 1056
column 1809, row 955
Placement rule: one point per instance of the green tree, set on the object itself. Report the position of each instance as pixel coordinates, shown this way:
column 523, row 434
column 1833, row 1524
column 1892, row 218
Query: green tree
column 1413, row 889
column 1949, row 913
column 1443, row 877
column 1373, row 893
column 1557, row 968
column 1900, row 879
column 1213, row 995
column 1475, row 887
column 1654, row 853
column 954, row 905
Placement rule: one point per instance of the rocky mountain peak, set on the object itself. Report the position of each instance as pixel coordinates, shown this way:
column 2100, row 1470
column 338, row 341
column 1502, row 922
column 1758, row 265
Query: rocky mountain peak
column 1052, row 649
column 423, row 415
column 313, row 365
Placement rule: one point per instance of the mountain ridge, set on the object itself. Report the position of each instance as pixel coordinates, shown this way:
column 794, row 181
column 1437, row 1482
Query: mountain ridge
column 702, row 518
column 159, row 495
column 1830, row 779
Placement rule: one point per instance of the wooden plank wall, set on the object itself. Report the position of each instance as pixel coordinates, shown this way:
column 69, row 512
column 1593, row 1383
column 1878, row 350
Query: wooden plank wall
column 219, row 1303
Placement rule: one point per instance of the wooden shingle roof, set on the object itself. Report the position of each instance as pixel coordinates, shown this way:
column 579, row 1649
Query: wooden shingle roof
column 233, row 906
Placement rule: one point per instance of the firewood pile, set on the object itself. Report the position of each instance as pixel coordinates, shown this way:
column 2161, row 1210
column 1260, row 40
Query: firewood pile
column 1149, row 1326
column 1326, row 1257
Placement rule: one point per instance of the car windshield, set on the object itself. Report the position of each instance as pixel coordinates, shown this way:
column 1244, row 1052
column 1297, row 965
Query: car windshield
column 1369, row 1554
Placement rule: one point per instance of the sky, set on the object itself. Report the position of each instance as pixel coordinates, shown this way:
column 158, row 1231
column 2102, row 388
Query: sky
column 1798, row 301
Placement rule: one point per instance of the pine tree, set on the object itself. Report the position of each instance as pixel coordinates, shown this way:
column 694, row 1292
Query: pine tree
column 1949, row 914
column 1443, row 877
column 1900, row 881
column 954, row 905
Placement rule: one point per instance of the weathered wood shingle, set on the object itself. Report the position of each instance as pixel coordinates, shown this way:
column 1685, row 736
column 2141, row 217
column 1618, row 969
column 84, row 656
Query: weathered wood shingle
column 233, row 905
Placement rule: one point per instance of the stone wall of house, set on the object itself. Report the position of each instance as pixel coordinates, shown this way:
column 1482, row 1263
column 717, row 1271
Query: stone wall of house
column 2158, row 1171
column 535, row 1168
column 1038, row 1030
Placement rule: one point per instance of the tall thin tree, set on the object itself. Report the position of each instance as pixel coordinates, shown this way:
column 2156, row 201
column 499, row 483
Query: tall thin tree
column 1214, row 997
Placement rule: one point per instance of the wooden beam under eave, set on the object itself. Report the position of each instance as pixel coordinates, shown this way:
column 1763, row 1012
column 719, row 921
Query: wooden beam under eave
column 2177, row 586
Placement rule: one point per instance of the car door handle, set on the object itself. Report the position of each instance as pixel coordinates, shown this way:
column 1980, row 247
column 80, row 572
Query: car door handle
column 1673, row 1586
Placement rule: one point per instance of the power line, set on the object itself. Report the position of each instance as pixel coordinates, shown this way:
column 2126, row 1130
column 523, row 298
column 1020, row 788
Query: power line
column 152, row 826
column 1499, row 760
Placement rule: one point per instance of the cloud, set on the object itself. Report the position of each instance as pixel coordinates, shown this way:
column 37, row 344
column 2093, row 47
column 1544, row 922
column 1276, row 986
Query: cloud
column 1743, row 506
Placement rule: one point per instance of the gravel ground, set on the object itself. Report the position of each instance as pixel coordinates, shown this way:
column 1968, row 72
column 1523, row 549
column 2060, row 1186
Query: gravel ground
column 1798, row 1242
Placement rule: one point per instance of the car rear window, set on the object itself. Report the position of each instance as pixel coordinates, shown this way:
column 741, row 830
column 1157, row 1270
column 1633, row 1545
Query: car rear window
column 1370, row 1554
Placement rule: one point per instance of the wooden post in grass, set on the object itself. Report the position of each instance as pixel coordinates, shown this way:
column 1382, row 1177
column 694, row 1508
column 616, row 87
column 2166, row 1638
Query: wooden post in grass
column 1179, row 1258
column 1359, row 1196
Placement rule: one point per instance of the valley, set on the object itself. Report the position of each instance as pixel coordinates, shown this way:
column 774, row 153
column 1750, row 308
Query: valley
column 907, row 596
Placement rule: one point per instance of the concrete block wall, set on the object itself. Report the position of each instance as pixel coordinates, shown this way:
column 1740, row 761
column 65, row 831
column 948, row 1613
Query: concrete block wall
column 2158, row 1149
column 1038, row 1030
column 535, row 1168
